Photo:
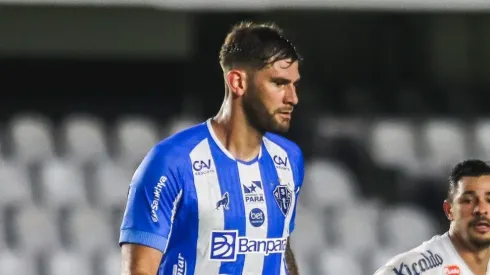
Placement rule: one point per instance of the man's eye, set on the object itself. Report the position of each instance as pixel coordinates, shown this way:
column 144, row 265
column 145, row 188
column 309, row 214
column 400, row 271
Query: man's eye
column 465, row 200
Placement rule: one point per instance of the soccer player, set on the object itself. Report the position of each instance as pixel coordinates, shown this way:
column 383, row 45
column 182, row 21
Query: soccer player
column 464, row 249
column 220, row 197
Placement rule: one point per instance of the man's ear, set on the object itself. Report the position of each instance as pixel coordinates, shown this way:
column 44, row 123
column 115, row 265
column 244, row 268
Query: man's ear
column 448, row 210
column 236, row 81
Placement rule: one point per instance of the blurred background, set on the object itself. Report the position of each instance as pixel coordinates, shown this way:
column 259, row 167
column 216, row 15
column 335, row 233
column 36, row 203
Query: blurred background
column 394, row 93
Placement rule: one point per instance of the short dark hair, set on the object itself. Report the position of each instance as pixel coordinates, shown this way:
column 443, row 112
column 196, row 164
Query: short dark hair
column 466, row 168
column 256, row 45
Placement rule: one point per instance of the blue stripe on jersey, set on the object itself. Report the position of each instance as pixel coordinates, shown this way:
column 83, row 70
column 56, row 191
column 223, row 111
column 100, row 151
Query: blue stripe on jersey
column 229, row 181
column 183, row 243
column 185, row 237
column 272, row 262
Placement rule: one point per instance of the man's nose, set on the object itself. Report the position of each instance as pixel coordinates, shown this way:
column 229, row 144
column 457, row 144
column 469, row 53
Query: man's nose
column 481, row 208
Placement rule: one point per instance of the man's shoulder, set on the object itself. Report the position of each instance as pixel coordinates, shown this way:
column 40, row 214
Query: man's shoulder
column 428, row 256
column 179, row 145
column 290, row 147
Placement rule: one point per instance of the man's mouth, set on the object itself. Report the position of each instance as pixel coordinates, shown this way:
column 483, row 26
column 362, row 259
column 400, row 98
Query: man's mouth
column 482, row 226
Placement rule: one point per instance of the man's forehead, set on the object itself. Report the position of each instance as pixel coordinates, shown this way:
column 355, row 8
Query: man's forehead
column 283, row 68
column 476, row 183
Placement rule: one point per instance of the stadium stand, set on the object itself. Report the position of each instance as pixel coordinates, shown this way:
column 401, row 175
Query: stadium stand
column 72, row 189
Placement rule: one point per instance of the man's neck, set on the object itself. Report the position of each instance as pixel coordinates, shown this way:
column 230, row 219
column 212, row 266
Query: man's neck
column 237, row 135
column 475, row 258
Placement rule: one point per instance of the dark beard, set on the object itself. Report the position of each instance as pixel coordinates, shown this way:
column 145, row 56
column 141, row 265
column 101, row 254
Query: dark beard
column 480, row 244
column 257, row 114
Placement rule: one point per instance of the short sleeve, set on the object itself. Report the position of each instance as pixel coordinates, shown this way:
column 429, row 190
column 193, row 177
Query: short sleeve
column 298, row 178
column 153, row 198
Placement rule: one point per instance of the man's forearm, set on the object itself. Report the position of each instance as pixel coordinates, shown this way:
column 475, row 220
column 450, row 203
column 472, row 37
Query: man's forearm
column 290, row 261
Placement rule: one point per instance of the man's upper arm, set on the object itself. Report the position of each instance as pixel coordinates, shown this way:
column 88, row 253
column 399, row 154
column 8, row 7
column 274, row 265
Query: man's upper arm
column 298, row 178
column 139, row 259
column 153, row 198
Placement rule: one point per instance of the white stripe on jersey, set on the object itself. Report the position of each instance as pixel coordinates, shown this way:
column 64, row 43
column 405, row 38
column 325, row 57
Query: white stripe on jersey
column 254, row 263
column 286, row 178
column 208, row 193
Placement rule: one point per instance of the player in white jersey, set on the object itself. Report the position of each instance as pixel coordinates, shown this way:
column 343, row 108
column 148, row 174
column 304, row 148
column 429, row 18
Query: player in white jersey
column 220, row 198
column 464, row 248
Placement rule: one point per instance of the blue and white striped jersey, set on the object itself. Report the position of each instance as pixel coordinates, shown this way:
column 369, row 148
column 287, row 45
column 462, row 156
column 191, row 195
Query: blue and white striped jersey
column 211, row 214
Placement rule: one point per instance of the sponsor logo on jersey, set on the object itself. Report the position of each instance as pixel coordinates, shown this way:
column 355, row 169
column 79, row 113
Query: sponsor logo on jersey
column 180, row 268
column 226, row 245
column 283, row 196
column 224, row 201
column 281, row 162
column 256, row 217
column 156, row 197
column 452, row 270
column 427, row 262
column 202, row 167
column 253, row 192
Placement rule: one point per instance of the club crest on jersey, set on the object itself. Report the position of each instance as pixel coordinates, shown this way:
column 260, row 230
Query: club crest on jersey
column 253, row 192
column 283, row 196
column 224, row 201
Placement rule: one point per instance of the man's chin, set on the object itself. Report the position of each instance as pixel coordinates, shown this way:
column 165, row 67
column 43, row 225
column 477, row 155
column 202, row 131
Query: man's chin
column 280, row 128
column 480, row 241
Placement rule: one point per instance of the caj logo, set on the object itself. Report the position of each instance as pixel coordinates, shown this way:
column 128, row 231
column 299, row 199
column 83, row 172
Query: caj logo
column 202, row 167
column 281, row 163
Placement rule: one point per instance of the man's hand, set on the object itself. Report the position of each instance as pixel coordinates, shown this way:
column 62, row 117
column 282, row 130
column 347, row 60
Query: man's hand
column 290, row 261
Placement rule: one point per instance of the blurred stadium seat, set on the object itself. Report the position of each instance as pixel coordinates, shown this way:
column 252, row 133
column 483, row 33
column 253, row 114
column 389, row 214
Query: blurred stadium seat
column 134, row 136
column 339, row 262
column 404, row 226
column 110, row 185
column 89, row 232
column 17, row 263
column 83, row 138
column 481, row 139
column 393, row 144
column 62, row 184
column 46, row 238
column 444, row 142
column 112, row 263
column 31, row 138
column 11, row 176
column 67, row 262
column 329, row 184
